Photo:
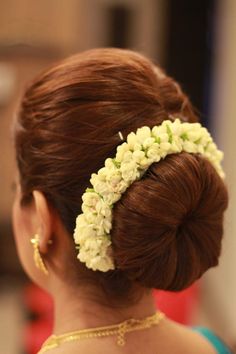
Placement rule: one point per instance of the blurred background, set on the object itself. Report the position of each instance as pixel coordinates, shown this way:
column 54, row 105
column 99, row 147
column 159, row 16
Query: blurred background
column 195, row 41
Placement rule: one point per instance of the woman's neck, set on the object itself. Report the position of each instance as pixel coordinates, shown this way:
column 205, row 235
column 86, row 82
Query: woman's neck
column 74, row 309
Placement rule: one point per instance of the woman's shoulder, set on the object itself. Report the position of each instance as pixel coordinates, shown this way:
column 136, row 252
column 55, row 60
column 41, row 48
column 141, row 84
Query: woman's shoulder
column 180, row 339
column 215, row 340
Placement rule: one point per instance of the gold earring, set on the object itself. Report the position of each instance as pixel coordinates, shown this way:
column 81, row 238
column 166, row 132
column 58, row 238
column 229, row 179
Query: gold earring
column 37, row 256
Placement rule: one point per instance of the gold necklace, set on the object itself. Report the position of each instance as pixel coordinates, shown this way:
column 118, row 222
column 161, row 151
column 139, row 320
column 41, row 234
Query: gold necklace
column 120, row 330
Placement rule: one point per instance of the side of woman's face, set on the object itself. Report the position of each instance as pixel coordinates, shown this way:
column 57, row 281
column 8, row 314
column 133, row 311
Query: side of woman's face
column 24, row 229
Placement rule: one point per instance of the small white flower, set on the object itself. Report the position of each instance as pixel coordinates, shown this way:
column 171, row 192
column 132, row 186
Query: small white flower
column 90, row 198
column 142, row 160
column 153, row 153
column 121, row 150
column 103, row 229
column 129, row 171
column 143, row 133
column 113, row 179
column 111, row 198
column 85, row 208
column 84, row 232
column 98, row 182
column 107, row 225
column 132, row 141
column 148, row 142
column 175, row 147
column 164, row 149
column 103, row 209
column 80, row 220
column 176, row 128
column 137, row 147
column 211, row 148
column 102, row 263
column 187, row 127
column 127, row 157
column 138, row 156
column 93, row 218
column 100, row 187
column 157, row 131
column 194, row 136
column 102, row 172
column 200, row 149
column 190, row 147
column 109, row 164
column 164, row 138
column 121, row 187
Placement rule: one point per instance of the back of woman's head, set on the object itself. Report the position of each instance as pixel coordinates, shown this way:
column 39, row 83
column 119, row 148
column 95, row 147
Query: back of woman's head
column 167, row 227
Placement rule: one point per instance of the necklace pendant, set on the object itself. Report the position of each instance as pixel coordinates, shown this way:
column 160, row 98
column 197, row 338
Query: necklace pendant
column 121, row 340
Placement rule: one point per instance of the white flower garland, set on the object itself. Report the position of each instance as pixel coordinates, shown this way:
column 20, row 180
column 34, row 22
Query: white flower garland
column 93, row 226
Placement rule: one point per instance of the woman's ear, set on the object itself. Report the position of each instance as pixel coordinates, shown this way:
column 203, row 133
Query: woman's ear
column 43, row 221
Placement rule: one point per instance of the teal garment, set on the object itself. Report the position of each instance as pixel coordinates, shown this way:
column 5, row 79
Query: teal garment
column 217, row 343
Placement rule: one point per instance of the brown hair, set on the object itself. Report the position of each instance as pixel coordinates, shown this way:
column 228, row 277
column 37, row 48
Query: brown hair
column 167, row 227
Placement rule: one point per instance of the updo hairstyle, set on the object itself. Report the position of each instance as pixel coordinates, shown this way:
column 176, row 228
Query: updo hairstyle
column 167, row 227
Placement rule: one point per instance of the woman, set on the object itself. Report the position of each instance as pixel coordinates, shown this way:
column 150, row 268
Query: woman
column 104, row 213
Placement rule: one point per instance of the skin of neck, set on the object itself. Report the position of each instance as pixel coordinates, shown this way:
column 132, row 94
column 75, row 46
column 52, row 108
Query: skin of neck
column 74, row 309
column 80, row 304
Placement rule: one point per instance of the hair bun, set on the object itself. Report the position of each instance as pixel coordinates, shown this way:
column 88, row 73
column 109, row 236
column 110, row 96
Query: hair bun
column 167, row 228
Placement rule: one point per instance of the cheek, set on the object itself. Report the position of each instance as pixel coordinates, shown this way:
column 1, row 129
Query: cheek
column 22, row 235
column 19, row 229
column 23, row 232
column 17, row 222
